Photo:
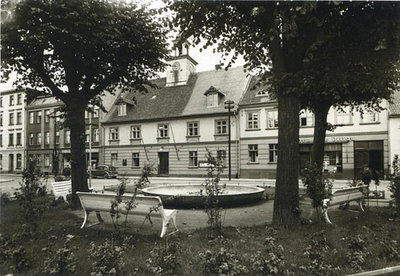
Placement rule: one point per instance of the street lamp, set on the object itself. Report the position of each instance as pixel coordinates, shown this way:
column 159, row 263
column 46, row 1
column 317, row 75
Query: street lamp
column 229, row 104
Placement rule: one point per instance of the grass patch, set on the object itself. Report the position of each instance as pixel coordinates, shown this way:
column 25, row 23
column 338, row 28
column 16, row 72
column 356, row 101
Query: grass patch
column 378, row 232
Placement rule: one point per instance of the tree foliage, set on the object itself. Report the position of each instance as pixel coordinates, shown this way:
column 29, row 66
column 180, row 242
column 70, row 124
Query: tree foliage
column 76, row 50
column 305, row 51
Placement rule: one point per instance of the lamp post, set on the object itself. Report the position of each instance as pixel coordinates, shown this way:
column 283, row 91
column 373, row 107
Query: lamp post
column 229, row 104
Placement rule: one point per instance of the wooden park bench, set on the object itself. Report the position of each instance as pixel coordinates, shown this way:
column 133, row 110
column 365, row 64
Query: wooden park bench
column 143, row 206
column 344, row 196
column 63, row 188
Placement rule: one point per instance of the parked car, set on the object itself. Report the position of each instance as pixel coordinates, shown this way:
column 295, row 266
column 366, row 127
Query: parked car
column 104, row 171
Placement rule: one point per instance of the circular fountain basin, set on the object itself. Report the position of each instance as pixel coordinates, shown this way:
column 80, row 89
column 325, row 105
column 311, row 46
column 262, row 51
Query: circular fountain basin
column 193, row 196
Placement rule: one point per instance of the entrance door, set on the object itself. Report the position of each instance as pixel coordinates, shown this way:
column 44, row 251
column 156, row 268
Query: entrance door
column 11, row 162
column 368, row 154
column 163, row 158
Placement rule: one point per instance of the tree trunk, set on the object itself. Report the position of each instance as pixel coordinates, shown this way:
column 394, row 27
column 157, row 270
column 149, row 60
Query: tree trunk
column 76, row 122
column 286, row 204
column 318, row 147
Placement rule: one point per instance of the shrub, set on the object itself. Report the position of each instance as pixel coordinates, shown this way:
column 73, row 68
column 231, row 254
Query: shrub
column 62, row 262
column 163, row 259
column 316, row 251
column 270, row 261
column 394, row 185
column 19, row 259
column 390, row 250
column 318, row 185
column 32, row 194
column 106, row 258
column 357, row 252
column 147, row 171
column 4, row 199
column 212, row 192
column 222, row 262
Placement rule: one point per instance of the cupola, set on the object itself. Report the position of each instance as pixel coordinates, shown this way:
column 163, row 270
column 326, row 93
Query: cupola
column 181, row 65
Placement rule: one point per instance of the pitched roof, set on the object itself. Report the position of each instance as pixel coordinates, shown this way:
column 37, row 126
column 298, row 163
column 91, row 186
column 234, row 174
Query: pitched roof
column 185, row 100
column 231, row 83
column 43, row 101
column 250, row 96
column 160, row 102
column 394, row 106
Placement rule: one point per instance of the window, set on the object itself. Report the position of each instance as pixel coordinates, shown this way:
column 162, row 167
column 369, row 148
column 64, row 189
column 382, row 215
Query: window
column 273, row 153
column 212, row 100
column 252, row 120
column 19, row 99
column 193, row 129
column 306, row 118
column 114, row 159
column 343, row 117
column 11, row 139
column 95, row 135
column 57, row 137
column 370, row 118
column 135, row 132
column 67, row 137
column 47, row 115
column 47, row 160
column 19, row 118
column 19, row 139
column 262, row 93
column 31, row 117
column 96, row 112
column 272, row 118
column 39, row 138
column 193, row 159
column 253, row 153
column 221, row 156
column 1, row 119
column 11, row 99
column 39, row 117
column 11, row 119
column 114, row 133
column 122, row 109
column 87, row 135
column 87, row 114
column 163, row 131
column 47, row 138
column 31, row 139
column 135, row 159
column 221, row 127
column 38, row 159
column 19, row 161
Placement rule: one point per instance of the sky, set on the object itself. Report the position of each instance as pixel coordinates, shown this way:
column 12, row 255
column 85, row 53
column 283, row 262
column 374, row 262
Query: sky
column 206, row 59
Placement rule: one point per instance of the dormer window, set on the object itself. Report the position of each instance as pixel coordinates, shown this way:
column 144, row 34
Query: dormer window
column 212, row 100
column 121, row 109
column 214, row 97
column 262, row 93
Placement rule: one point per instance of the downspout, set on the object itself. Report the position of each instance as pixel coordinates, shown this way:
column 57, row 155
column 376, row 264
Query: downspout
column 237, row 117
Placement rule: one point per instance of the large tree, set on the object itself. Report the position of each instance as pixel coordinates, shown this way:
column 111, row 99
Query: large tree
column 76, row 50
column 279, row 40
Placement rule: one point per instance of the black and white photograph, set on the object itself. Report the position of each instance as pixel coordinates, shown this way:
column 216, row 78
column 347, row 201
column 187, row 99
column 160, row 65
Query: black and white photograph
column 200, row 137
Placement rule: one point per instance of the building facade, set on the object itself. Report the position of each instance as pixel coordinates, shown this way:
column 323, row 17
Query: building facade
column 357, row 142
column 48, row 139
column 12, row 131
column 174, row 125
column 394, row 126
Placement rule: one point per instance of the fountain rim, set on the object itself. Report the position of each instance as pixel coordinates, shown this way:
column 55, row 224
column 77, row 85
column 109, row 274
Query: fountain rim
column 148, row 190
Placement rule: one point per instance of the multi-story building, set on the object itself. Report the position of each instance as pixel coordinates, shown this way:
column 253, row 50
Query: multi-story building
column 358, row 141
column 173, row 125
column 12, row 134
column 48, row 140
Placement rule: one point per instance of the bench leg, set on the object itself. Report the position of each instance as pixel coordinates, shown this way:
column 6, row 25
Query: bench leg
column 325, row 213
column 361, row 205
column 85, row 219
column 99, row 218
column 174, row 221
column 164, row 228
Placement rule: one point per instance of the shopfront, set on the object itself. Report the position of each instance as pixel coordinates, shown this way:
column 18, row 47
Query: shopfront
column 368, row 155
